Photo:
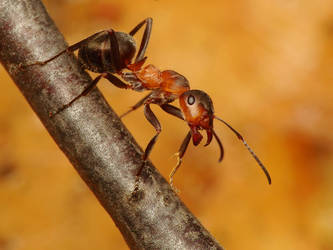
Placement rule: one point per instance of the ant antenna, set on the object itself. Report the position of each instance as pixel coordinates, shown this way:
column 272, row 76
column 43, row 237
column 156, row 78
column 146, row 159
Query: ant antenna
column 240, row 137
column 220, row 146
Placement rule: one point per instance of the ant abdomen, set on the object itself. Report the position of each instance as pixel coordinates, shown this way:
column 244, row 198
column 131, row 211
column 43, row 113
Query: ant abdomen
column 96, row 54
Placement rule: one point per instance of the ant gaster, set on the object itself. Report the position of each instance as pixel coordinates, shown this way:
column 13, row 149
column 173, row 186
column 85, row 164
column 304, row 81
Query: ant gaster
column 107, row 52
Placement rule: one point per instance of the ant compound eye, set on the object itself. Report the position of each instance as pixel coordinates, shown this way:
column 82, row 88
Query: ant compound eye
column 191, row 100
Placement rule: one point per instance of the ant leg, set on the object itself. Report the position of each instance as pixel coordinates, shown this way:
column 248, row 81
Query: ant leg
column 132, row 79
column 70, row 49
column 172, row 110
column 113, row 79
column 180, row 155
column 145, row 38
column 84, row 92
column 136, row 106
column 150, row 116
column 116, row 81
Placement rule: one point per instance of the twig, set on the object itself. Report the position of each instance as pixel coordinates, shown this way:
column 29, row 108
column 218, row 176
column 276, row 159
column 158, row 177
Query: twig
column 92, row 136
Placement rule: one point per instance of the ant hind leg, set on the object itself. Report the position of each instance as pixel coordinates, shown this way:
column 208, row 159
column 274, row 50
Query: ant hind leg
column 113, row 79
column 70, row 49
column 84, row 92
column 145, row 38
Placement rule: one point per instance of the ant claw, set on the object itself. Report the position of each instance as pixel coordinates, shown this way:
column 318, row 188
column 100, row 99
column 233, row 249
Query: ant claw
column 179, row 161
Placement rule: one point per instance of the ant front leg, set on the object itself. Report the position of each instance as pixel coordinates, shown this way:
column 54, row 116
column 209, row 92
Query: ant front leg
column 180, row 155
column 150, row 116
column 145, row 39
column 172, row 110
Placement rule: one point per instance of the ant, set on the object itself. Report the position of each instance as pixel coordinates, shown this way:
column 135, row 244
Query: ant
column 196, row 108
column 110, row 52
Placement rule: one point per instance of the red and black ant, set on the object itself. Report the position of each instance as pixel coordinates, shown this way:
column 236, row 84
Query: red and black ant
column 109, row 52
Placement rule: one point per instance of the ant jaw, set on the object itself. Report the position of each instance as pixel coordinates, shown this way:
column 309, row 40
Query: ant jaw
column 197, row 137
column 209, row 137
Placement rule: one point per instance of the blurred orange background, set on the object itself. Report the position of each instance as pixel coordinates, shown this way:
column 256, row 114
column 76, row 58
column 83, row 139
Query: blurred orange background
column 267, row 65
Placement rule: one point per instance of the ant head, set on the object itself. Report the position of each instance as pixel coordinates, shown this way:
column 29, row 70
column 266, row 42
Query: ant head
column 127, row 46
column 198, row 111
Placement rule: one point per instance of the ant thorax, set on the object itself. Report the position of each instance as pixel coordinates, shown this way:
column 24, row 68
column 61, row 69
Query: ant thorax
column 150, row 76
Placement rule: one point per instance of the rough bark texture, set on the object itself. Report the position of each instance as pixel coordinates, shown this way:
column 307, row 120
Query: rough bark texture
column 92, row 136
